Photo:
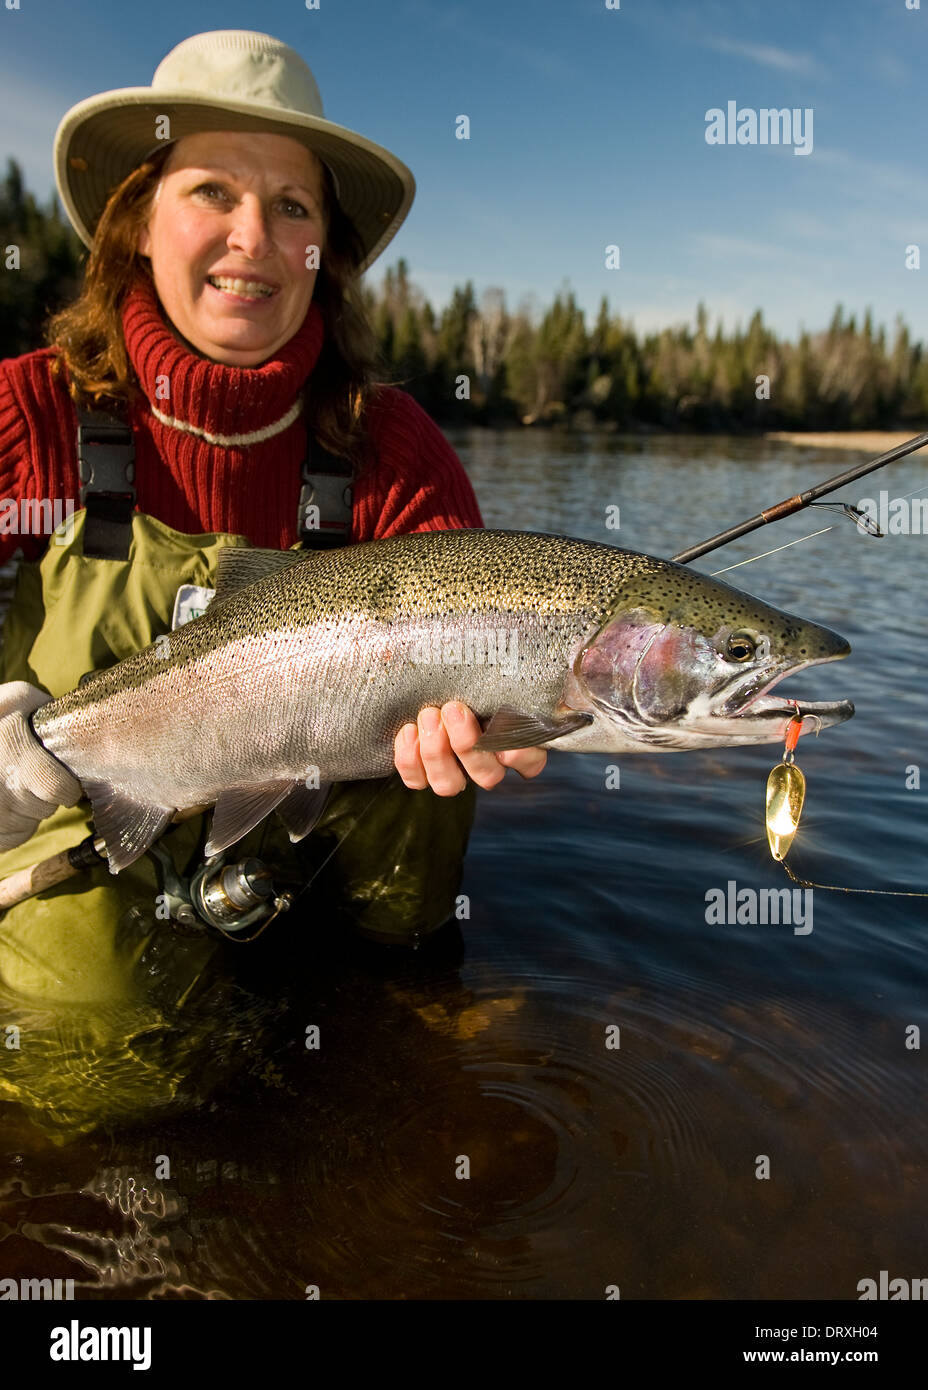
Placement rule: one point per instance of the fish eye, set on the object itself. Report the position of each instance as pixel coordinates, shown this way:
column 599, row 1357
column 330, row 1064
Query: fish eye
column 741, row 646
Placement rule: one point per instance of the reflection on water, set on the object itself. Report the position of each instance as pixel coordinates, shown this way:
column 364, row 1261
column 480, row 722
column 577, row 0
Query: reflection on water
column 609, row 1068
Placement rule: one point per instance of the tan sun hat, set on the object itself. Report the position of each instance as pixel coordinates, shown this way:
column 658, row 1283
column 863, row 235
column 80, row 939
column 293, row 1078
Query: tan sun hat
column 228, row 79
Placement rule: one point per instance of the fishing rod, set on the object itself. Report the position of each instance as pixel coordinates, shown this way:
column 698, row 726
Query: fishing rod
column 800, row 500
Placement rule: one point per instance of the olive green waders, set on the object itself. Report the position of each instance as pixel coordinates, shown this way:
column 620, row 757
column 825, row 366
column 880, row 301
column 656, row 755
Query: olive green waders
column 88, row 970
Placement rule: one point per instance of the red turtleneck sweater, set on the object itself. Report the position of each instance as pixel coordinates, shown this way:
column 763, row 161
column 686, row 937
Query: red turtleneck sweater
column 249, row 488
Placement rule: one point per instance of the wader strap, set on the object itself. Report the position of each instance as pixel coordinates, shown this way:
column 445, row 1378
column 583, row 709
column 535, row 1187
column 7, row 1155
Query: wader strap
column 324, row 518
column 106, row 459
column 106, row 462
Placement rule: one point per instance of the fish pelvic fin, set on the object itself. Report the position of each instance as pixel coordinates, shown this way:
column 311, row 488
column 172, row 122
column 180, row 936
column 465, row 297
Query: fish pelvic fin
column 128, row 827
column 511, row 728
column 240, row 809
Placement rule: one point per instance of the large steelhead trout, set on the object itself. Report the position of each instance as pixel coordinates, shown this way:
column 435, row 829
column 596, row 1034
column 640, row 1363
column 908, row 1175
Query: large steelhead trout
column 304, row 667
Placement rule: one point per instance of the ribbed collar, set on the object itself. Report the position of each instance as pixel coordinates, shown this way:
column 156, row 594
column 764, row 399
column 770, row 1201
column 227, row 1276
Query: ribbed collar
column 223, row 401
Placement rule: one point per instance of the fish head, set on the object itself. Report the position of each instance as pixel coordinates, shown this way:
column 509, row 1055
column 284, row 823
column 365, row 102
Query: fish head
column 684, row 661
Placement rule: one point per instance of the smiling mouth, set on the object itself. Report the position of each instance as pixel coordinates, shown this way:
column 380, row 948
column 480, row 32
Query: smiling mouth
column 251, row 290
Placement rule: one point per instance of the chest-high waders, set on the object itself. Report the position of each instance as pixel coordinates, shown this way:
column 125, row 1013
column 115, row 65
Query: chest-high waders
column 98, row 990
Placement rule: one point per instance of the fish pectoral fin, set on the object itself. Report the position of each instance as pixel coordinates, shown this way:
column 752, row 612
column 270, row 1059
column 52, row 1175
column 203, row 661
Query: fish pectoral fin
column 128, row 827
column 240, row 809
column 510, row 728
column 302, row 807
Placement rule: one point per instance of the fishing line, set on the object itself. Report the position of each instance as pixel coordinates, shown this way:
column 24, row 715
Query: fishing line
column 914, row 493
column 771, row 552
column 837, row 888
column 339, row 843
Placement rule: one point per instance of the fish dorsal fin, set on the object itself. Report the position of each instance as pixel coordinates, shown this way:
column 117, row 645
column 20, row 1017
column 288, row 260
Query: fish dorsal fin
column 240, row 809
column 511, row 728
column 128, row 827
column 239, row 566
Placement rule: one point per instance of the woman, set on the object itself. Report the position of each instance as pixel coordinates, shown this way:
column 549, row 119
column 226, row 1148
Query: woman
column 221, row 321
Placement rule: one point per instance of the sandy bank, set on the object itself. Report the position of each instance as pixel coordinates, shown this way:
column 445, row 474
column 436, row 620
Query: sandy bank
column 870, row 441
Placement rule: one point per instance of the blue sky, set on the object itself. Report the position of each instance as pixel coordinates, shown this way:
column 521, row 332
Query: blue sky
column 588, row 128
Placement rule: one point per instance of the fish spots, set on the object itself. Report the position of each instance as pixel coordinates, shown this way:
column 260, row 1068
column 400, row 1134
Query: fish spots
column 328, row 610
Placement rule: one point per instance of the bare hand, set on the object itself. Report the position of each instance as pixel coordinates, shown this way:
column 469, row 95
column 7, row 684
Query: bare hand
column 439, row 750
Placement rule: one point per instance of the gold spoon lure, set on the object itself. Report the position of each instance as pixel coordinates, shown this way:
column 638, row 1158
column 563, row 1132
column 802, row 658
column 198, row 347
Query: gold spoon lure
column 786, row 792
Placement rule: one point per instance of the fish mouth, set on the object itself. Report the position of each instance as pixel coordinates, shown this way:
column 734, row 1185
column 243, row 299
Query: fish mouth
column 759, row 707
column 815, row 714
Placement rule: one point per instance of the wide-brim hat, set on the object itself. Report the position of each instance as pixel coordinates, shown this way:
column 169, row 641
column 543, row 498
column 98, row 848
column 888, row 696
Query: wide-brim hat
column 228, row 79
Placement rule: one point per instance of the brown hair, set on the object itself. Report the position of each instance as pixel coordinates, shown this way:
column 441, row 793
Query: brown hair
column 89, row 334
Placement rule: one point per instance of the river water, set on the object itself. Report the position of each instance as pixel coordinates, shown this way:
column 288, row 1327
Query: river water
column 760, row 1129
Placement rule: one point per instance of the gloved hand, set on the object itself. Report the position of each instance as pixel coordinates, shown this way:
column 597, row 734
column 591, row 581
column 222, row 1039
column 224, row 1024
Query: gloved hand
column 33, row 784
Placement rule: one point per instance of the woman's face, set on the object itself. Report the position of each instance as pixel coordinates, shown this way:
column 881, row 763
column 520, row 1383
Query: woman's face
column 244, row 207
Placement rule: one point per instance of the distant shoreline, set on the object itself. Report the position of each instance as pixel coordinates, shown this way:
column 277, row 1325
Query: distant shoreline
column 870, row 441
column 867, row 441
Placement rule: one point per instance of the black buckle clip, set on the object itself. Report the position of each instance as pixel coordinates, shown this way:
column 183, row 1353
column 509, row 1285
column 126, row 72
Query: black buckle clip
column 106, row 460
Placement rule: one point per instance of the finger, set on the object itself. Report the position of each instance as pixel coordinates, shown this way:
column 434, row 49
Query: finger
column 19, row 697
column 407, row 759
column 528, row 762
column 463, row 732
column 24, row 802
column 16, row 830
column 446, row 777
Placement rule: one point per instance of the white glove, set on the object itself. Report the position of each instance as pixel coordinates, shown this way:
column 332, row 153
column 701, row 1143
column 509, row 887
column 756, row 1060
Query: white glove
column 33, row 784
